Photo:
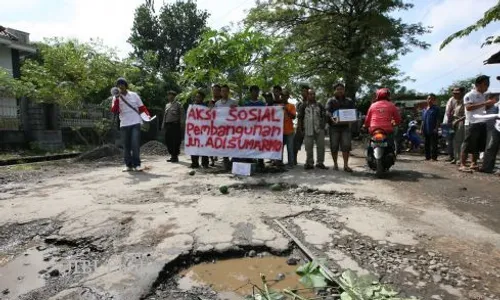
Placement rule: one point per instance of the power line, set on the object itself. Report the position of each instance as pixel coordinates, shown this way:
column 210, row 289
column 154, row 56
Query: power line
column 454, row 69
column 427, row 11
column 231, row 11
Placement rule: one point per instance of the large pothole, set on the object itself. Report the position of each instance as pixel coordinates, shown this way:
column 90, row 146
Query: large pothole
column 232, row 275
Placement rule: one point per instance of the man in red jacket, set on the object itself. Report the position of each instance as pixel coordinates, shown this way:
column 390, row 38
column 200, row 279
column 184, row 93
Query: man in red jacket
column 383, row 114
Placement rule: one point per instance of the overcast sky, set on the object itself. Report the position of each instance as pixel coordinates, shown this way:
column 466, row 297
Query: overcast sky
column 112, row 20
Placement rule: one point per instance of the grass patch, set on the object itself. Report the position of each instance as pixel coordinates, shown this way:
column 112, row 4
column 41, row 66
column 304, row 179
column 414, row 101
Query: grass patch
column 37, row 152
column 24, row 167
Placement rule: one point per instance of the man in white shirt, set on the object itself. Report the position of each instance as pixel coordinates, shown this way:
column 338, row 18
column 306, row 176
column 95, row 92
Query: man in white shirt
column 129, row 106
column 475, row 129
column 225, row 101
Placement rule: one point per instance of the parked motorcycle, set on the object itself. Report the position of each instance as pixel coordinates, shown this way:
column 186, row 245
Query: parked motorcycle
column 381, row 155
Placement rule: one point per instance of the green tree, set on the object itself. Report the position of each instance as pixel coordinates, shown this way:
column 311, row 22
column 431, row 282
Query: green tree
column 160, row 41
column 240, row 59
column 70, row 73
column 358, row 41
column 10, row 87
column 466, row 83
column 490, row 16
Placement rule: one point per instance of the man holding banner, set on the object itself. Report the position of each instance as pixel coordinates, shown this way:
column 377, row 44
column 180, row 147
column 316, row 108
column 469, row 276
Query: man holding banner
column 225, row 101
column 195, row 159
column 254, row 101
column 230, row 131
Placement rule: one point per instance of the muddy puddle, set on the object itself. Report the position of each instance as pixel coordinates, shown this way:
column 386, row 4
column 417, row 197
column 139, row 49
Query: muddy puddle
column 20, row 275
column 235, row 278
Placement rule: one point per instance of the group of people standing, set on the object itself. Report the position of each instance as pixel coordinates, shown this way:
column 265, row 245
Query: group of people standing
column 312, row 118
column 468, row 133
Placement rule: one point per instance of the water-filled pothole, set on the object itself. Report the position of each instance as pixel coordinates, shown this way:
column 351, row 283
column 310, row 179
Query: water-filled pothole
column 236, row 278
column 231, row 275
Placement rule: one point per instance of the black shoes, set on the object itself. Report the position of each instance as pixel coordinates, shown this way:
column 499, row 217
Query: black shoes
column 173, row 160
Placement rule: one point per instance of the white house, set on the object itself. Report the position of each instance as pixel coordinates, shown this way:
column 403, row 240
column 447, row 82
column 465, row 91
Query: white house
column 14, row 45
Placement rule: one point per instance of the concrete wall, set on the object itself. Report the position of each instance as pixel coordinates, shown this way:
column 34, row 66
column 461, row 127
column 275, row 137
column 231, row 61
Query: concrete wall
column 6, row 58
column 11, row 140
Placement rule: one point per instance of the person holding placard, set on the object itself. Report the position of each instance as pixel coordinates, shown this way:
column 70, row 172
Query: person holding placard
column 340, row 128
column 129, row 106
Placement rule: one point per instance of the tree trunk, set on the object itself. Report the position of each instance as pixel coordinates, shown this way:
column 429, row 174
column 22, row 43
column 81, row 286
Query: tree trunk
column 352, row 78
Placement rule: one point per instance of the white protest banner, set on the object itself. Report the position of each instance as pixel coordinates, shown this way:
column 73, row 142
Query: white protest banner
column 241, row 132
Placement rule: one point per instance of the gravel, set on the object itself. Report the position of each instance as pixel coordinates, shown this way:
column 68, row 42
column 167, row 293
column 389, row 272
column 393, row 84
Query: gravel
column 106, row 151
column 154, row 148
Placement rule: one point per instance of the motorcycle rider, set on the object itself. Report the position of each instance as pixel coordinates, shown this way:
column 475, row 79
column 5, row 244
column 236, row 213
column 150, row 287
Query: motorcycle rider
column 383, row 114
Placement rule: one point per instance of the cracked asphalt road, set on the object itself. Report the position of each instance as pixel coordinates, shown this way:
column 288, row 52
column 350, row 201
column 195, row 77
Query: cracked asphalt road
column 163, row 213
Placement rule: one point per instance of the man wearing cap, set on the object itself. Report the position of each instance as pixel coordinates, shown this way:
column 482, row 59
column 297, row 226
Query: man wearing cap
column 475, row 128
column 129, row 106
column 173, row 123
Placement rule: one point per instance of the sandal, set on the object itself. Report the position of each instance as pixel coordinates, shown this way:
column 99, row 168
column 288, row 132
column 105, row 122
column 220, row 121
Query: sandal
column 474, row 168
column 465, row 169
column 335, row 167
column 348, row 170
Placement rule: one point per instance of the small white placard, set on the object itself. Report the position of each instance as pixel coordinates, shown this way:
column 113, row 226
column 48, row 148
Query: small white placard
column 346, row 115
column 242, row 169
column 147, row 118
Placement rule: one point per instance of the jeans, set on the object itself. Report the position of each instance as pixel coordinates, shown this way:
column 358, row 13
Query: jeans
column 319, row 139
column 288, row 142
column 431, row 146
column 131, row 145
column 490, row 155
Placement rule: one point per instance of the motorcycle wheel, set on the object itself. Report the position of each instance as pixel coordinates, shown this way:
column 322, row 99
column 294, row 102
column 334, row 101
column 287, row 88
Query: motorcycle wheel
column 380, row 168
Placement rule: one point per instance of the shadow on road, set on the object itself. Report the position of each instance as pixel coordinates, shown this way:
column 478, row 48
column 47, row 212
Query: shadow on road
column 145, row 176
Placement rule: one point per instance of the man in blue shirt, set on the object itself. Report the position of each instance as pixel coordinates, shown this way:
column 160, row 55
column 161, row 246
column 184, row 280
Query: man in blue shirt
column 430, row 126
column 255, row 101
column 254, row 97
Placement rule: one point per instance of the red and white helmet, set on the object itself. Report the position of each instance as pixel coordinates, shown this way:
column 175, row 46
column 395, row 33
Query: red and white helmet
column 383, row 94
